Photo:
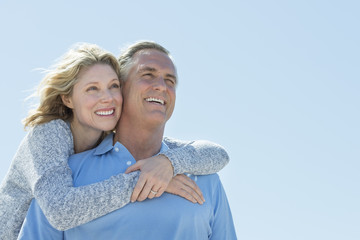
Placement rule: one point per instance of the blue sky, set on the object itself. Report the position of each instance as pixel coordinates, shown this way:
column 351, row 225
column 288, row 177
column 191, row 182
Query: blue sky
column 275, row 82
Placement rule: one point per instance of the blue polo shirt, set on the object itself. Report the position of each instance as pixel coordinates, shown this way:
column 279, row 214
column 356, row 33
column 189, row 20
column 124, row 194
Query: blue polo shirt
column 166, row 217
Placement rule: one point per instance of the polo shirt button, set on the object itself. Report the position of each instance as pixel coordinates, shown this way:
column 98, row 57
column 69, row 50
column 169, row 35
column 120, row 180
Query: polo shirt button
column 116, row 149
column 128, row 163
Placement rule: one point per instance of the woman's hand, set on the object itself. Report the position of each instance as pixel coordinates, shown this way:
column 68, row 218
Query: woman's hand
column 185, row 187
column 156, row 173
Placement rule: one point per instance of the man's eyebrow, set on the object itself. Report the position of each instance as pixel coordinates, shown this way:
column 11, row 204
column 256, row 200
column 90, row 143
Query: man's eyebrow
column 146, row 69
column 151, row 69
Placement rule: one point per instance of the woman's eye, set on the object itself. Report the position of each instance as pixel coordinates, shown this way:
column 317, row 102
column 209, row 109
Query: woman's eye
column 115, row 85
column 92, row 88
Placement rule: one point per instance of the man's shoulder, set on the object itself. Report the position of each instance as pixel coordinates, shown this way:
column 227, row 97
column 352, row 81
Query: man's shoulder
column 175, row 143
column 210, row 180
column 210, row 186
column 209, row 177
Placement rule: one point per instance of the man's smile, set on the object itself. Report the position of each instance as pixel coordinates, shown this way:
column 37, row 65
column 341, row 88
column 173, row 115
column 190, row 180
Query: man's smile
column 155, row 100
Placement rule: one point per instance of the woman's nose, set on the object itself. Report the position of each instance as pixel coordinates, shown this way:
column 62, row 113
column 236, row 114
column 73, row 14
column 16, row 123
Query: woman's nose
column 106, row 96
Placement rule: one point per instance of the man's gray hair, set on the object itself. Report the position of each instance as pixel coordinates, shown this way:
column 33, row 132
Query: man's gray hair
column 126, row 57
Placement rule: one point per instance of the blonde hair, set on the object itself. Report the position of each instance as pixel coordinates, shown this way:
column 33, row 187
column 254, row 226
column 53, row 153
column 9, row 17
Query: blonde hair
column 60, row 80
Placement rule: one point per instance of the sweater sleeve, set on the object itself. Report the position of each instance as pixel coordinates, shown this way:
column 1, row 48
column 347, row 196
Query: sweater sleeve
column 66, row 206
column 195, row 157
column 49, row 177
column 42, row 162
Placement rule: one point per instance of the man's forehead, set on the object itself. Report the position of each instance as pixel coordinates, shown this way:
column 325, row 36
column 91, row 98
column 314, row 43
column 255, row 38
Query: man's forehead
column 153, row 60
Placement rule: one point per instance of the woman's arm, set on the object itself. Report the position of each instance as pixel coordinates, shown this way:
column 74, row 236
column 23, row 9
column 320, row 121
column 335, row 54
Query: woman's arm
column 49, row 177
column 196, row 157
column 40, row 170
column 43, row 162
column 36, row 226
column 82, row 204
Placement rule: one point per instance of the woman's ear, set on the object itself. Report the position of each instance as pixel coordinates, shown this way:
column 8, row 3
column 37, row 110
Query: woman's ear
column 67, row 101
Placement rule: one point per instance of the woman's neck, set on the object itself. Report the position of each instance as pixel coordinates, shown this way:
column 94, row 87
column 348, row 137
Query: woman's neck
column 85, row 139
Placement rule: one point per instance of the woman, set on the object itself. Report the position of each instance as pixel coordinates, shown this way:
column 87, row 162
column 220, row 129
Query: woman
column 60, row 128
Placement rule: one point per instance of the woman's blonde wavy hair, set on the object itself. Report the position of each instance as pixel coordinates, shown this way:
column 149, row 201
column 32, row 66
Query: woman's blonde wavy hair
column 60, row 80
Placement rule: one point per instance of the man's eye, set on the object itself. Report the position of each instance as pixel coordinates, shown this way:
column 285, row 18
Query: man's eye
column 171, row 81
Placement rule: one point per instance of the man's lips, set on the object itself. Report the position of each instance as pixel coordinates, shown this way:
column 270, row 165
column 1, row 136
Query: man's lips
column 155, row 100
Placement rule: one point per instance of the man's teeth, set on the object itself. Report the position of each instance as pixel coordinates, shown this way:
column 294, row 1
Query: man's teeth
column 105, row 113
column 155, row 100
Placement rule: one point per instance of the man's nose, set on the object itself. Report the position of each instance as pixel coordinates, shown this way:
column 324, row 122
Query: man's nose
column 159, row 84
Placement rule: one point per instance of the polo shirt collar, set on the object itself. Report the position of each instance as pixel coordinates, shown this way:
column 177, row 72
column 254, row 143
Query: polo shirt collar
column 107, row 145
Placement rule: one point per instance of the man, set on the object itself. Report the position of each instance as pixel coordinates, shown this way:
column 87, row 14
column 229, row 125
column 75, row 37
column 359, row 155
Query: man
column 149, row 95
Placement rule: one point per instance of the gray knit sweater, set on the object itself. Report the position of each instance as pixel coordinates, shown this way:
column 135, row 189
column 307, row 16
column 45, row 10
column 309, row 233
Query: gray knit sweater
column 39, row 170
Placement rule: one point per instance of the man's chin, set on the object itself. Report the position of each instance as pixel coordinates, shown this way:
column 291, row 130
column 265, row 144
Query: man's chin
column 157, row 119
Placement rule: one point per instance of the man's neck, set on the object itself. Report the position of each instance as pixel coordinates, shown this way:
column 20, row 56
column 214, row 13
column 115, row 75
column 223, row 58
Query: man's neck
column 140, row 142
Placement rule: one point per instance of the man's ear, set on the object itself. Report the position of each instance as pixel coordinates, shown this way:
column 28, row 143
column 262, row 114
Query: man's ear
column 67, row 101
